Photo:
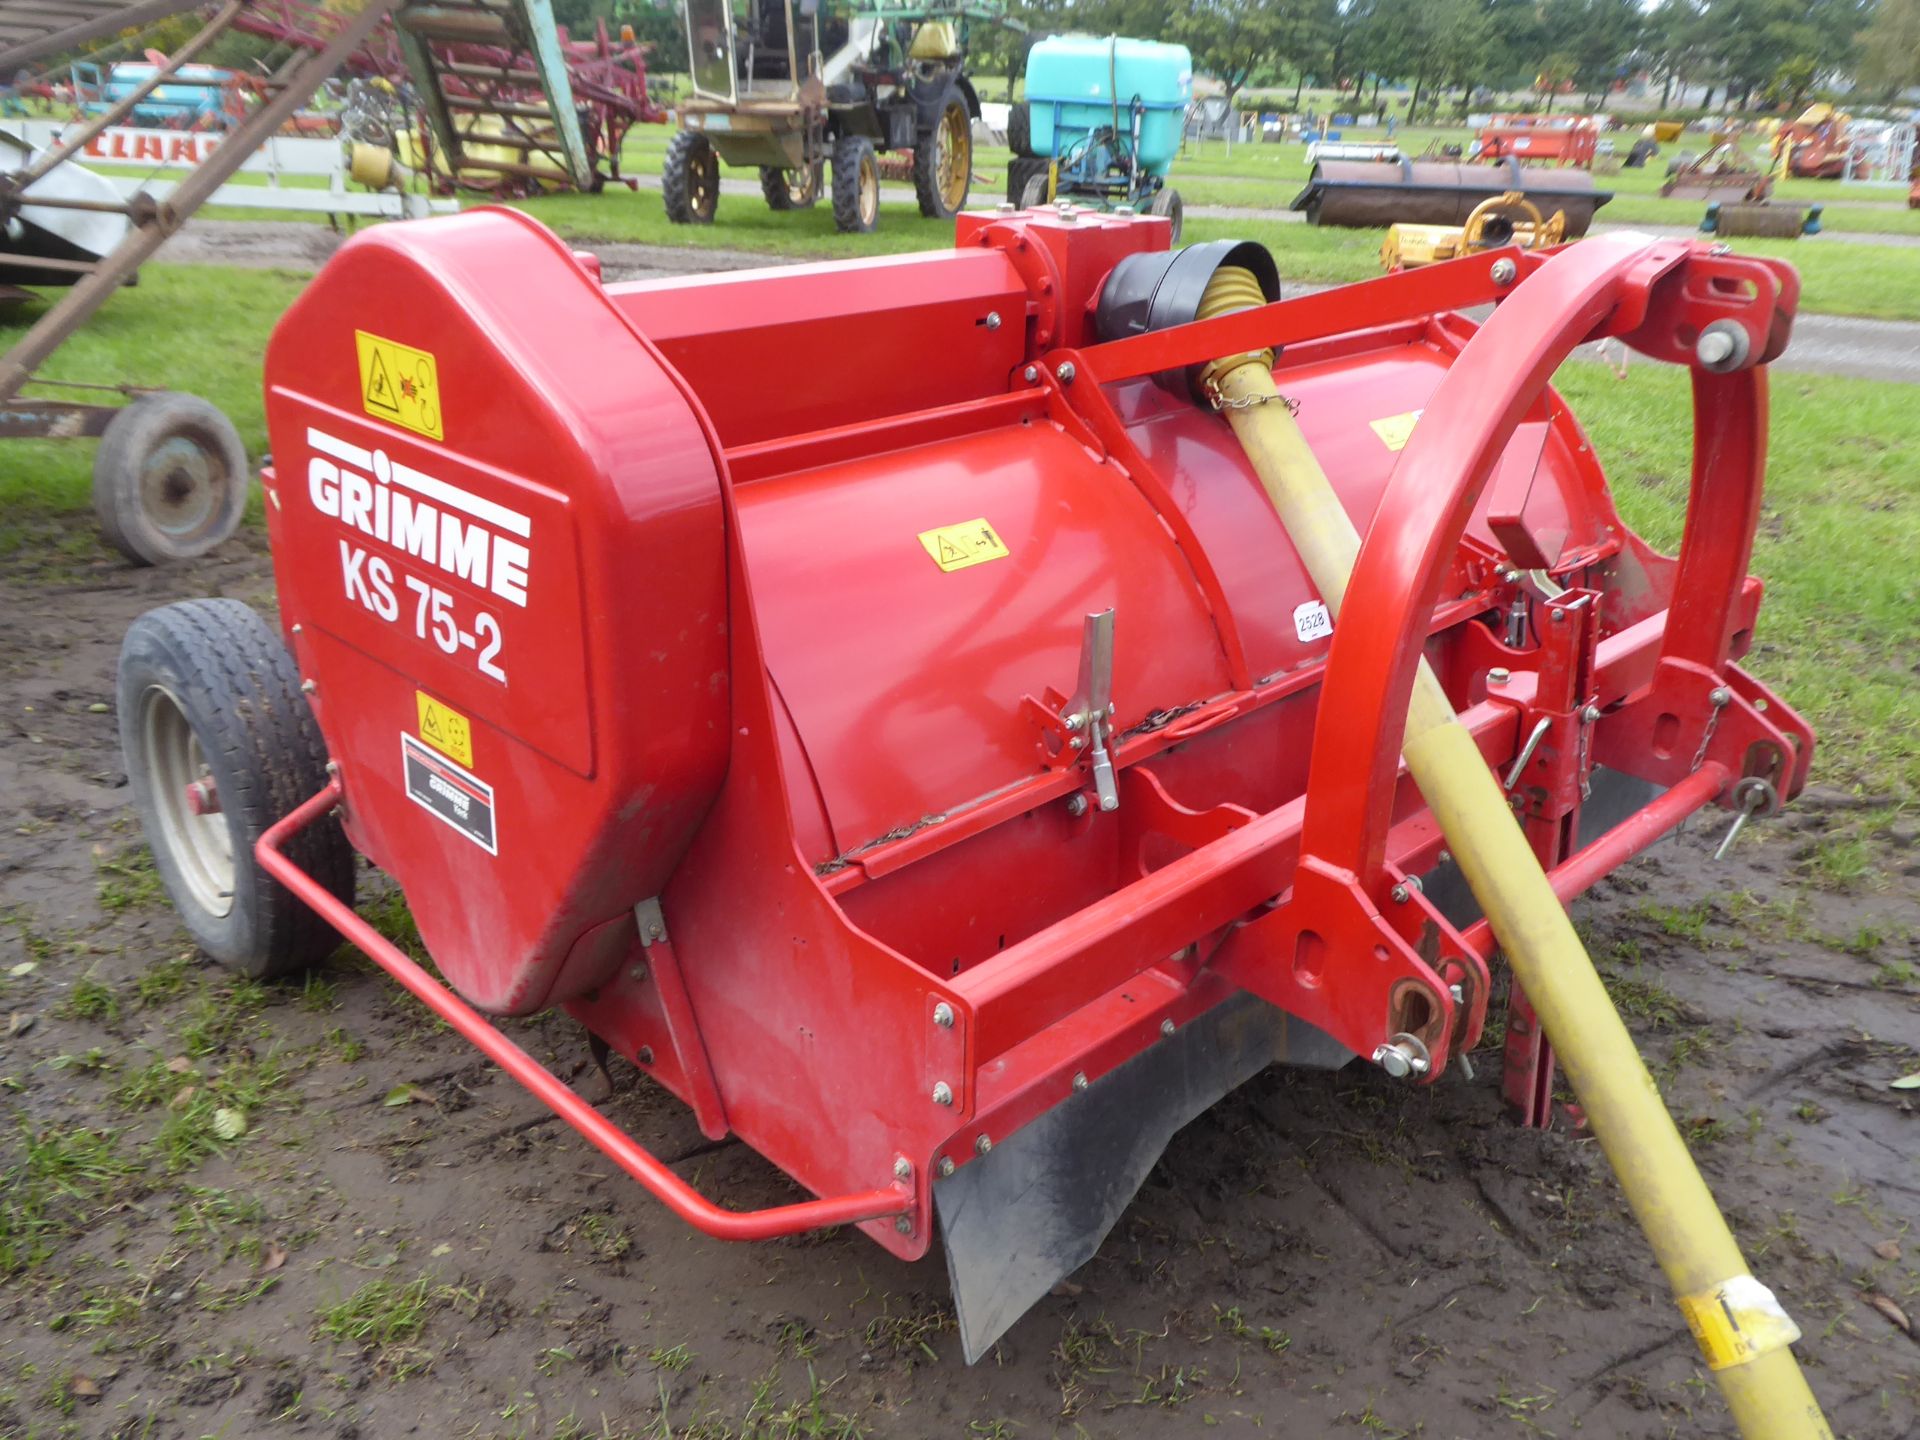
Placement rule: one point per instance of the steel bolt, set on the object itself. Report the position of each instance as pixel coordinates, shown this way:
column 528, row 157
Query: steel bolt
column 1395, row 1061
column 1722, row 346
column 1078, row 742
column 1124, row 210
column 943, row 1093
column 1503, row 272
column 1446, row 857
column 993, row 319
column 1591, row 714
column 646, row 1055
column 1558, row 615
column 904, row 1224
column 943, row 1015
column 1720, row 697
column 1458, row 992
column 983, row 1145
column 1007, row 207
column 903, row 1169
column 298, row 628
column 1076, row 720
column 1166, row 1027
column 946, row 1166
column 1499, row 675
column 307, row 687
column 1065, row 373
column 1080, row 1080
column 1031, row 374
column 1077, row 804
column 1400, row 894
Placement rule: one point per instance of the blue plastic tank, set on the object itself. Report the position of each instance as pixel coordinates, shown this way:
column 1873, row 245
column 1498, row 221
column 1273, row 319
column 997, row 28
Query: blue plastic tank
column 1073, row 82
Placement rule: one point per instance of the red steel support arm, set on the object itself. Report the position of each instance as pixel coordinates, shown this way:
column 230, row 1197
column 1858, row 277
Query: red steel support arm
column 1466, row 426
column 673, row 1192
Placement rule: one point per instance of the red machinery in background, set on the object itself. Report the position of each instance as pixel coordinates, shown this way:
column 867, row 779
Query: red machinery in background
column 879, row 700
column 1540, row 139
column 506, row 101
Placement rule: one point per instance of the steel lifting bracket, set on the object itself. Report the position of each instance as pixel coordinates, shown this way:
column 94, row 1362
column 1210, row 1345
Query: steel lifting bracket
column 1082, row 724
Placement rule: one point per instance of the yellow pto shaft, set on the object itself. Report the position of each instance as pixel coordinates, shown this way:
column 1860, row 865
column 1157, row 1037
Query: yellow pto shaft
column 1742, row 1330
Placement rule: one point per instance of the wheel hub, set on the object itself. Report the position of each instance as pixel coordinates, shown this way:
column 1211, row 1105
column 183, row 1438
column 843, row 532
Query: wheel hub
column 180, row 487
column 186, row 802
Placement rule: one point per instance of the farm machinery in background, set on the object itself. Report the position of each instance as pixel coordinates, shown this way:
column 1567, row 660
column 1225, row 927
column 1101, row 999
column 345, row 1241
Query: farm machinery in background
column 814, row 101
column 510, row 106
column 1374, row 194
column 1101, row 124
column 1019, row 747
column 1509, row 219
column 487, row 96
column 1540, row 139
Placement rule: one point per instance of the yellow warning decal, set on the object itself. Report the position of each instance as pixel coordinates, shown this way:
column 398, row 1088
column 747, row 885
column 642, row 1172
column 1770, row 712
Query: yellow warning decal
column 1737, row 1321
column 1395, row 429
column 445, row 728
column 399, row 383
column 955, row 547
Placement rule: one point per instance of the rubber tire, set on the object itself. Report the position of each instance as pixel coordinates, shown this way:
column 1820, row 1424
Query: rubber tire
column 773, row 185
column 851, row 154
column 129, row 443
column 1019, row 172
column 240, row 693
column 926, row 153
column 1167, row 202
column 1033, row 195
column 688, row 152
column 1020, row 130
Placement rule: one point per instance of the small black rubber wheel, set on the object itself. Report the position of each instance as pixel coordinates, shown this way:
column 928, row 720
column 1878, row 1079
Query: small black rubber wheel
column 1020, row 129
column 1167, row 203
column 170, row 479
column 690, row 181
column 943, row 159
column 219, row 744
column 790, row 189
column 1034, row 195
column 856, row 185
column 1019, row 172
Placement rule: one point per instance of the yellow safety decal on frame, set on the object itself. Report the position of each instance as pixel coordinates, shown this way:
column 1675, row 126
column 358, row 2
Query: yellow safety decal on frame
column 1737, row 1321
column 399, row 383
column 1395, row 429
column 955, row 547
column 446, row 729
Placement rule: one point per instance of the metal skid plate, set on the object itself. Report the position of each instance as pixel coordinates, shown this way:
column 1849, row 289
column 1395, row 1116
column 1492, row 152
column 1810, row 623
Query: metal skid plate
column 1032, row 1211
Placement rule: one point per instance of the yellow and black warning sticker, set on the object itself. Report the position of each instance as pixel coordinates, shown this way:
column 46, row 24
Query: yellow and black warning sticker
column 453, row 795
column 1395, row 430
column 445, row 728
column 1737, row 1321
column 955, row 547
column 399, row 383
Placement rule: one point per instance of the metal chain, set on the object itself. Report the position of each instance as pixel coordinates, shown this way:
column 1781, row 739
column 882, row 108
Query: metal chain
column 1706, row 739
column 1220, row 402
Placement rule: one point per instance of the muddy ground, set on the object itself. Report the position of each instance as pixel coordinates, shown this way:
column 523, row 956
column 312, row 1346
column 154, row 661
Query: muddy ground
column 400, row 1243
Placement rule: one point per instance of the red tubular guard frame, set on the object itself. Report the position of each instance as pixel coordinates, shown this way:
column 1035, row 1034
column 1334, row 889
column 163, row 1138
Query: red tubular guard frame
column 673, row 1192
column 1656, row 295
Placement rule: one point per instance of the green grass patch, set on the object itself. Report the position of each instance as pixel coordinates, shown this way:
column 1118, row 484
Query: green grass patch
column 1840, row 625
column 201, row 329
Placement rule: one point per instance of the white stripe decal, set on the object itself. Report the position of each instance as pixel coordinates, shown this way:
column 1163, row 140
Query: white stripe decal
column 512, row 521
column 339, row 449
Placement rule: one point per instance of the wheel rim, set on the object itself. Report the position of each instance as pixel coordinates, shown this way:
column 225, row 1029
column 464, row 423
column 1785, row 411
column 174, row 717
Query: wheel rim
column 803, row 185
column 869, row 190
column 953, row 159
column 703, row 184
column 201, row 845
column 181, row 486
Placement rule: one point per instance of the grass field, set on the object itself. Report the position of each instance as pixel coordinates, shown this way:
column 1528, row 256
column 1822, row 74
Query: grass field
column 1879, row 281
column 1838, row 634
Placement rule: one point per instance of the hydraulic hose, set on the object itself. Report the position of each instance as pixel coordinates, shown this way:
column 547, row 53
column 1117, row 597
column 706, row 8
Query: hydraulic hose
column 1742, row 1330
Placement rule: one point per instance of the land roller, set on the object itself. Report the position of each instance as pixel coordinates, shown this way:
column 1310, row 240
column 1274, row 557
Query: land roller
column 883, row 701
